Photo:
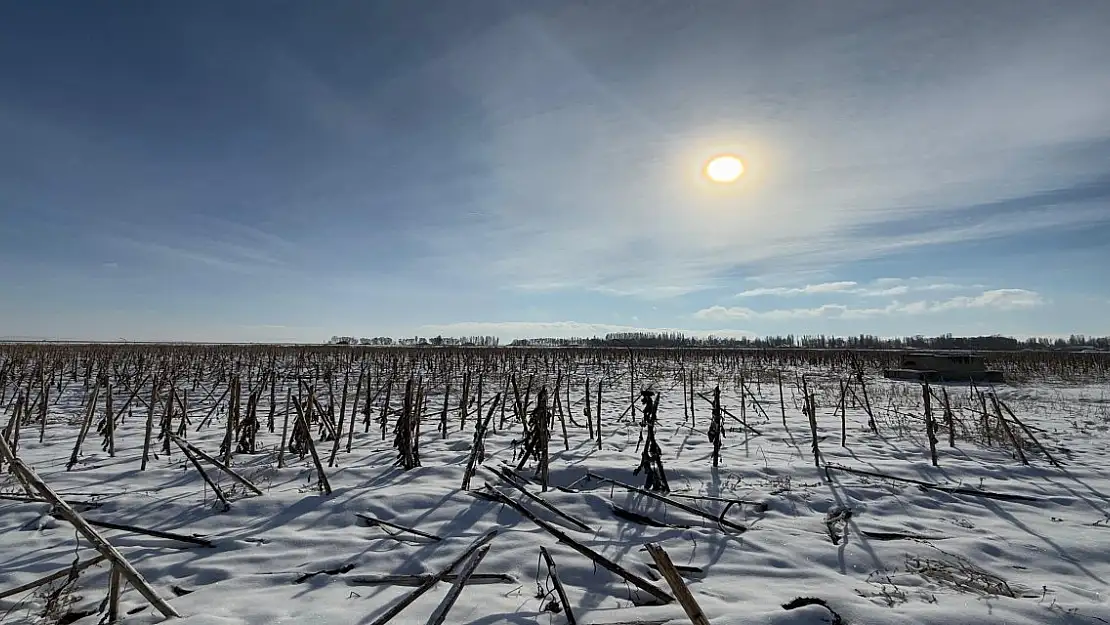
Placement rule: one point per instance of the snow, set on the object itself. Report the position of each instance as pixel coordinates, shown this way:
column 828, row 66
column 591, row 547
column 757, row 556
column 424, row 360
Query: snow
column 1052, row 553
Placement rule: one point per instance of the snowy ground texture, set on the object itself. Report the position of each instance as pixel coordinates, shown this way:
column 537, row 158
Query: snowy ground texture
column 902, row 554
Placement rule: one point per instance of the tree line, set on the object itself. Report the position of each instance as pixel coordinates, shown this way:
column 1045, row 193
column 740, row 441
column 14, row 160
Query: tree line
column 820, row 341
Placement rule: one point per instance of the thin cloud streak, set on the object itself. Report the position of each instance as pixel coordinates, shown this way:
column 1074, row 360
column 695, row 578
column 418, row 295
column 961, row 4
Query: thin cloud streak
column 809, row 289
column 997, row 299
column 883, row 287
column 204, row 258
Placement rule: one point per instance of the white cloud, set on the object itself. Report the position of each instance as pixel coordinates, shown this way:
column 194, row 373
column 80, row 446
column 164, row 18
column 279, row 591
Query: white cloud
column 887, row 292
column 882, row 287
column 721, row 313
column 1002, row 299
column 557, row 329
column 999, row 299
column 891, row 287
column 809, row 289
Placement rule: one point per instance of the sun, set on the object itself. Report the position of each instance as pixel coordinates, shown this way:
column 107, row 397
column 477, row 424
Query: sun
column 724, row 169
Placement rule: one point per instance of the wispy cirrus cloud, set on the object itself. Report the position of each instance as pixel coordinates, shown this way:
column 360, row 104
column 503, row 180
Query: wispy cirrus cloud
column 809, row 289
column 185, row 256
column 848, row 178
column 882, row 287
column 997, row 299
column 201, row 242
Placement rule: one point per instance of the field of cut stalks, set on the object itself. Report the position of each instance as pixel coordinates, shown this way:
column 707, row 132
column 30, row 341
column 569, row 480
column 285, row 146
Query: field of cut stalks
column 257, row 485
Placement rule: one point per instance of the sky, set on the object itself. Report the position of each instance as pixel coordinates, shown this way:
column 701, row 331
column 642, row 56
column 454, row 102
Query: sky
column 289, row 171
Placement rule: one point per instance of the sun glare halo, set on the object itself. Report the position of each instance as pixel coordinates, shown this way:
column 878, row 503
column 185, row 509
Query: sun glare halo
column 724, row 169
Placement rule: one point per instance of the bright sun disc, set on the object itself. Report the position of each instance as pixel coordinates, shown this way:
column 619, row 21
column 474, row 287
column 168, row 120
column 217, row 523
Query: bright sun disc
column 724, row 169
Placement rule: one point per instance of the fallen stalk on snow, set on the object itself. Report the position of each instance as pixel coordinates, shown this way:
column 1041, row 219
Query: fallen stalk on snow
column 219, row 465
column 204, row 474
column 801, row 602
column 685, row 570
column 887, row 536
column 636, row 517
column 148, row 532
column 420, row 579
column 373, row 521
column 1029, row 432
column 119, row 563
column 304, row 577
column 761, row 506
column 671, row 502
column 435, row 579
column 594, row 556
column 955, row 490
column 84, row 505
column 678, row 586
column 457, row 586
column 511, row 479
column 73, row 569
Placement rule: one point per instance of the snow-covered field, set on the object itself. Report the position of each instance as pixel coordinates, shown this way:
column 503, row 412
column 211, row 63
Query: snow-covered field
column 874, row 549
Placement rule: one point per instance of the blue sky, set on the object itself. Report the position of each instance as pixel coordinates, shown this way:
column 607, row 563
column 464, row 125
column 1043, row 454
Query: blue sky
column 276, row 171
